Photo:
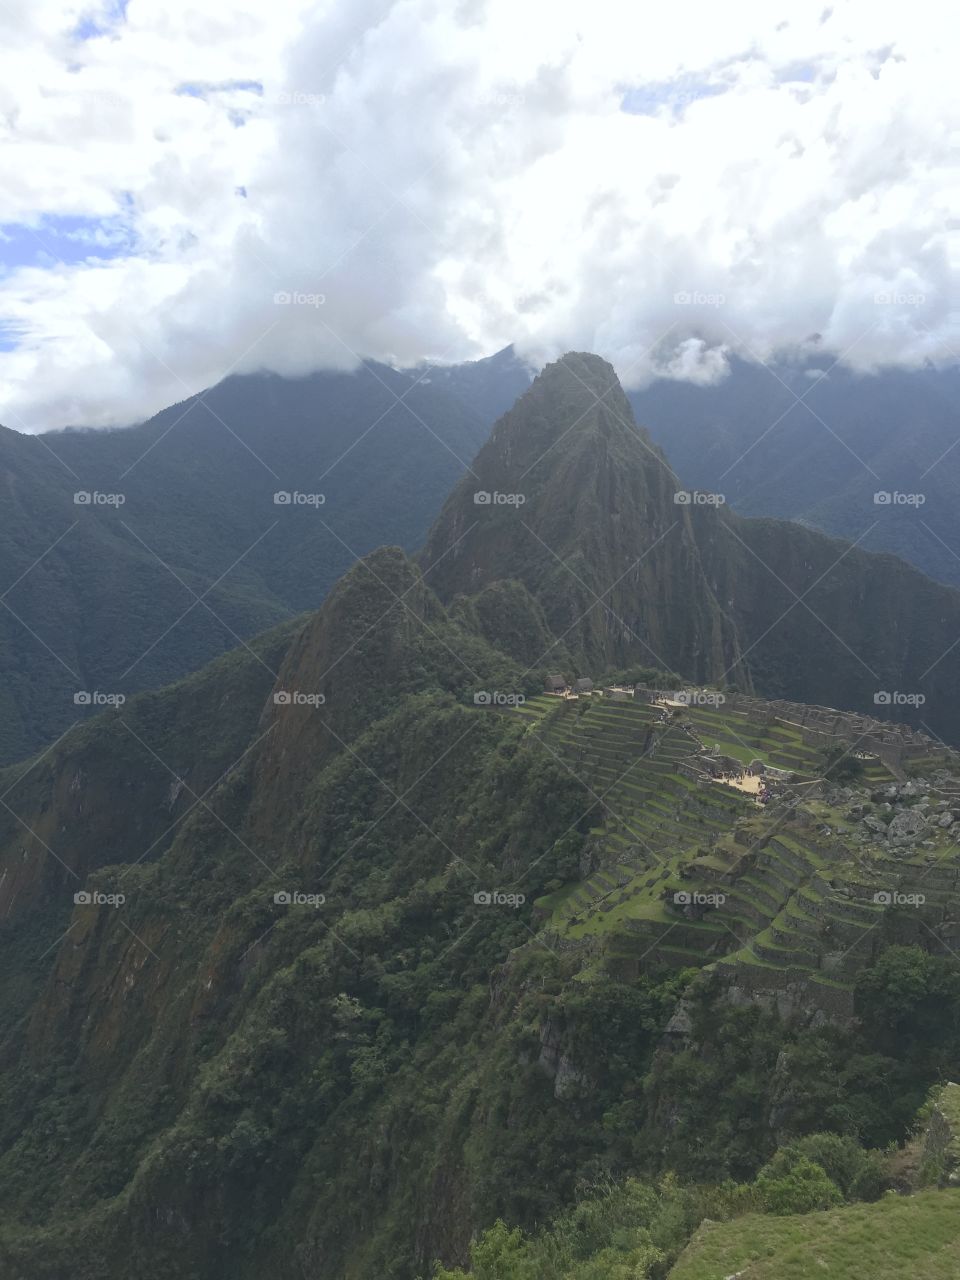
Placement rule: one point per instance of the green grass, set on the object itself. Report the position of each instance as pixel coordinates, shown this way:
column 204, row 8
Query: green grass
column 897, row 1238
column 604, row 921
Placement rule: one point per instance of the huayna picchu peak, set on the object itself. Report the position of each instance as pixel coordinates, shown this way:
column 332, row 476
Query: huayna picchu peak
column 571, row 497
column 548, row 895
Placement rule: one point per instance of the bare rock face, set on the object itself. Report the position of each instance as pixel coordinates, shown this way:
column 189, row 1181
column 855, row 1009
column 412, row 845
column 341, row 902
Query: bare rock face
column 569, row 1078
column 554, row 1062
column 681, row 1024
column 907, row 826
column 940, row 1159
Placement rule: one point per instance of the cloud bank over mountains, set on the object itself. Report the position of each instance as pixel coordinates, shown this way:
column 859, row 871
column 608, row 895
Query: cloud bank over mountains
column 292, row 186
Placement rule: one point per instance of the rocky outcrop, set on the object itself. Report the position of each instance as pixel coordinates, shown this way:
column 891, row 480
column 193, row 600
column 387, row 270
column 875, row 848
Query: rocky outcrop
column 940, row 1153
column 556, row 1062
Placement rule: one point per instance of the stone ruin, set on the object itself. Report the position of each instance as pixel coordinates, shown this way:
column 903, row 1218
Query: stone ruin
column 821, row 727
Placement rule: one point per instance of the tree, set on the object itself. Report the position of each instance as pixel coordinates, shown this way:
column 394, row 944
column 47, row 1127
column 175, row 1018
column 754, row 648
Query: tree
column 804, row 1188
column 856, row 1172
column 841, row 765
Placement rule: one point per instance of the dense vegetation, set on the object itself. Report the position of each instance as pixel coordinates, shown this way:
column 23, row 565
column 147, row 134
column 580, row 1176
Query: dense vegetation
column 292, row 1086
column 321, row 1020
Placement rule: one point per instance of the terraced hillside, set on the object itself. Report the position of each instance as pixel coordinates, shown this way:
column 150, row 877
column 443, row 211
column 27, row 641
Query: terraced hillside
column 721, row 841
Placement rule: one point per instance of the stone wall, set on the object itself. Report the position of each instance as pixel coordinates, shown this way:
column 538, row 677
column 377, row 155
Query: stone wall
column 787, row 993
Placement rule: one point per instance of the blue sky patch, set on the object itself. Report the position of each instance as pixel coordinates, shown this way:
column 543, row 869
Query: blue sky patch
column 674, row 95
column 803, row 71
column 101, row 22
column 10, row 335
column 58, row 239
column 203, row 89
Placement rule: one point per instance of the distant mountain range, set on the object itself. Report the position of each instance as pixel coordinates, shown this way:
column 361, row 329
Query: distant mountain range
column 117, row 594
column 104, row 598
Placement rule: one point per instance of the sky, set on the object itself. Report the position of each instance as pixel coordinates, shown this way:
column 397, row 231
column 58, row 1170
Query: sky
column 193, row 191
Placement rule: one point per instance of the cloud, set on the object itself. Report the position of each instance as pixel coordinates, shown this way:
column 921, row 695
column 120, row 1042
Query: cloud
column 434, row 181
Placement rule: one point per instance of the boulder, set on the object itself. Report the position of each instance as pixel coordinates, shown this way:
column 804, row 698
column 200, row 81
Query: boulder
column 907, row 826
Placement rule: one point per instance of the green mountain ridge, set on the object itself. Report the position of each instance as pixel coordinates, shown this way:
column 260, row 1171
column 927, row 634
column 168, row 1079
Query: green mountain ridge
column 198, row 557
column 374, row 951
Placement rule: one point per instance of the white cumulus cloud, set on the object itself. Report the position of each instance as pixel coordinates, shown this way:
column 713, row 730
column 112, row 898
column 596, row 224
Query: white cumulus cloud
column 293, row 186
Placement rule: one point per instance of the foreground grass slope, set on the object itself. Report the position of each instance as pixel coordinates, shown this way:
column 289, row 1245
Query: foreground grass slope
column 895, row 1238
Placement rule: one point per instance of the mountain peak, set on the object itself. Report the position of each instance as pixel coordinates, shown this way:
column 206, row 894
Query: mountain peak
column 586, row 365
column 579, row 393
column 569, row 496
column 574, row 416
